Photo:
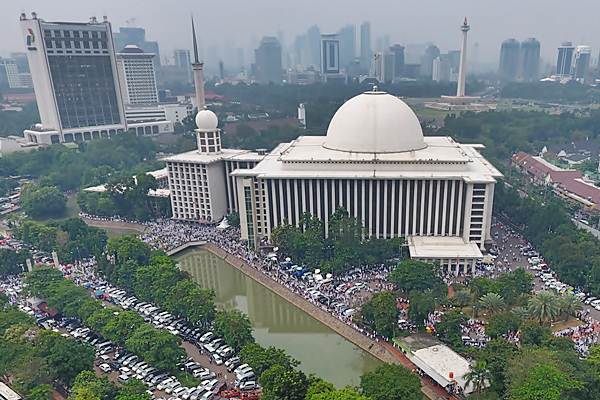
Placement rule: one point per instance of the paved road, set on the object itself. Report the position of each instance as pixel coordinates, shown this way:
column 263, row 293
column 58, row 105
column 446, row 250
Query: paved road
column 509, row 244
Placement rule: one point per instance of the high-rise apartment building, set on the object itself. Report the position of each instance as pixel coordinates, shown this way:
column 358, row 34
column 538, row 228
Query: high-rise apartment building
column 398, row 52
column 347, row 38
column 137, row 36
column 137, row 76
column 330, row 55
column 268, row 60
column 509, row 60
column 564, row 62
column 581, row 64
column 530, row 60
column 431, row 53
column 14, row 76
column 365, row 44
column 183, row 62
column 74, row 74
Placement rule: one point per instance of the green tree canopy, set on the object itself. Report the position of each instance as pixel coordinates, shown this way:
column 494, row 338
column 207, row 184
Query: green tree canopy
column 234, row 327
column 391, row 382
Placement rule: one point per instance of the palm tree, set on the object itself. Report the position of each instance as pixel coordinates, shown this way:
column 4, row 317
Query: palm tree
column 478, row 376
column 492, row 303
column 569, row 305
column 521, row 312
column 544, row 307
column 462, row 298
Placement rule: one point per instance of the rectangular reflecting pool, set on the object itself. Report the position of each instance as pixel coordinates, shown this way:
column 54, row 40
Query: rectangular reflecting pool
column 279, row 323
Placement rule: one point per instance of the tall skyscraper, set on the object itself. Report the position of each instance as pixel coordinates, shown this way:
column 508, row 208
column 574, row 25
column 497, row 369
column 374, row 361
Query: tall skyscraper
column 441, row 69
column 509, row 60
column 581, row 67
column 564, row 61
column 462, row 71
column 74, row 73
column 431, row 53
column 398, row 52
column 330, row 55
column 530, row 60
column 313, row 44
column 365, row 44
column 137, row 76
column 268, row 60
column 347, row 36
column 388, row 67
column 137, row 36
column 183, row 62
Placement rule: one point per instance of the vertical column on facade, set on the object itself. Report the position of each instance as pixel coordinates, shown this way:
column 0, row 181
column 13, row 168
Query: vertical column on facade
column 467, row 215
column 319, row 200
column 385, row 208
column 422, row 205
column 363, row 202
column 333, row 202
column 289, row 201
column 327, row 201
column 297, row 205
column 459, row 208
column 443, row 233
column 266, row 206
column 311, row 202
column 414, row 207
column 348, row 197
column 377, row 209
column 437, row 208
column 401, row 229
column 341, row 195
column 393, row 210
column 228, row 180
column 234, row 189
column 281, row 201
column 355, row 190
column 407, row 208
column 452, row 193
column 371, row 205
column 303, row 183
column 276, row 219
column 429, row 208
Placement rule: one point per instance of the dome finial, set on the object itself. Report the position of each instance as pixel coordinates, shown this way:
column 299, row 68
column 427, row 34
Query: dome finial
column 375, row 88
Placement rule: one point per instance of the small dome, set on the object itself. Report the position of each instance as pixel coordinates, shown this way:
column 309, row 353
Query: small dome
column 207, row 120
column 375, row 122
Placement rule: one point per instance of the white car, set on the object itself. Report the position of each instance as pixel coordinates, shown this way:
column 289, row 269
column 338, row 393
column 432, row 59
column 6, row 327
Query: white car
column 105, row 368
column 248, row 385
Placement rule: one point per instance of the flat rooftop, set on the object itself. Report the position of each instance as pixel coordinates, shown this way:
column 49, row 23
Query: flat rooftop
column 442, row 247
column 226, row 154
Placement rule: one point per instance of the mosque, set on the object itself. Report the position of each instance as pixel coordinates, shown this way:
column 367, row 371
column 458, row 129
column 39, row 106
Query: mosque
column 374, row 162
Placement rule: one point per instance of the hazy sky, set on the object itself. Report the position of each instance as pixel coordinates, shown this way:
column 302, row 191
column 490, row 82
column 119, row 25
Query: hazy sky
column 244, row 22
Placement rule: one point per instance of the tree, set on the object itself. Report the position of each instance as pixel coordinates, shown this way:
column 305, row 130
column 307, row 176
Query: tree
column 381, row 314
column 88, row 386
column 450, row 328
column 157, row 347
column 261, row 358
column 496, row 355
column 195, row 303
column 12, row 262
column 412, row 275
column 339, row 394
column 65, row 357
column 120, row 326
column 282, row 383
column 42, row 201
column 543, row 381
column 391, row 382
column 41, row 392
column 462, row 298
column 544, row 307
column 420, row 306
column 234, row 327
column 492, row 303
column 234, row 219
column 533, row 333
column 569, row 306
column 129, row 247
column 502, row 324
column 478, row 376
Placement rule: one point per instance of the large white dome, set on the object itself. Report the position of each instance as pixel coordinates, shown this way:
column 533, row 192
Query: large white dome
column 206, row 121
column 374, row 122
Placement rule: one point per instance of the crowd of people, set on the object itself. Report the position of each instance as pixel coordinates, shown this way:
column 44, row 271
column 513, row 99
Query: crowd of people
column 583, row 335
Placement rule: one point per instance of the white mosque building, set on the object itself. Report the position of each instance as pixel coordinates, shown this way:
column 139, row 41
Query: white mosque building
column 374, row 162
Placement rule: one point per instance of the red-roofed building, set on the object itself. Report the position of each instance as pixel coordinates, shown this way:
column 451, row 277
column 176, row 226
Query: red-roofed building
column 567, row 183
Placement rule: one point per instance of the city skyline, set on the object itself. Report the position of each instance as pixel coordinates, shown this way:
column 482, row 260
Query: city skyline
column 229, row 24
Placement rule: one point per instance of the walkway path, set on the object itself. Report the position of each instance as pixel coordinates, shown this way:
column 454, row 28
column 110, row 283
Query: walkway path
column 380, row 349
column 114, row 224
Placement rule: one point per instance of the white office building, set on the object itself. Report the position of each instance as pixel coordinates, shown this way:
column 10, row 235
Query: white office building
column 75, row 80
column 137, row 76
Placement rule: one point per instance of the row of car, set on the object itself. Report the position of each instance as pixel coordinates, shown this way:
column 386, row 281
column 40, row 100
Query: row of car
column 207, row 342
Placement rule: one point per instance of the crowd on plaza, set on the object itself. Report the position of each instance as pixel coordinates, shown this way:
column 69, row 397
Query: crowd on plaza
column 583, row 335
